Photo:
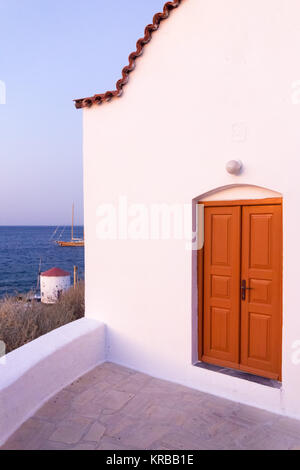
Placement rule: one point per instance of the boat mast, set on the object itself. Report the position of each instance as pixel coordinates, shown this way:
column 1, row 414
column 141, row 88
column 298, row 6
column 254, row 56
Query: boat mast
column 73, row 221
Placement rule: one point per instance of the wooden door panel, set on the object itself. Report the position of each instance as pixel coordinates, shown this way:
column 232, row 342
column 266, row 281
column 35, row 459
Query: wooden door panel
column 259, row 337
column 220, row 329
column 260, row 227
column 261, row 291
column 220, row 287
column 261, row 309
column 221, row 309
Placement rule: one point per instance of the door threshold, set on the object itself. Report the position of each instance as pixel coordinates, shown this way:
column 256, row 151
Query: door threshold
column 240, row 375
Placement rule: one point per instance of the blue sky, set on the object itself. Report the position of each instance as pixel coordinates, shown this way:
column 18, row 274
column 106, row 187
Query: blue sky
column 52, row 51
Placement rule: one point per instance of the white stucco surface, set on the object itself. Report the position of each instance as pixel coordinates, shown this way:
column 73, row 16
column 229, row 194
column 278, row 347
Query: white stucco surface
column 30, row 375
column 216, row 83
column 51, row 287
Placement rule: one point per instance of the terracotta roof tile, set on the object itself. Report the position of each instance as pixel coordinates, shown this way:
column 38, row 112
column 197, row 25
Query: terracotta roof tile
column 149, row 30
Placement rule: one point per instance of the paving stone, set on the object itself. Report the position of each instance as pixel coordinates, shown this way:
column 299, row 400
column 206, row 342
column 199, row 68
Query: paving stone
column 117, row 423
column 204, row 427
column 112, row 367
column 30, row 435
column 107, row 411
column 161, row 446
column 249, row 416
column 167, row 399
column 102, row 376
column 262, row 438
column 83, row 383
column 215, row 431
column 95, row 433
column 138, row 404
column 162, row 415
column 143, row 400
column 71, row 431
column 191, row 408
column 131, row 433
column 83, row 398
column 194, row 397
column 108, row 443
column 163, row 386
column 134, row 383
column 90, row 410
column 181, row 440
column 287, row 426
column 111, row 373
column 142, row 435
column 64, row 396
column 50, row 445
column 84, row 446
column 227, row 435
column 218, row 406
column 57, row 407
column 114, row 399
column 115, row 378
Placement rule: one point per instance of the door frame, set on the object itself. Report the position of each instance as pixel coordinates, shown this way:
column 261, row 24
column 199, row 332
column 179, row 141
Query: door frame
column 200, row 265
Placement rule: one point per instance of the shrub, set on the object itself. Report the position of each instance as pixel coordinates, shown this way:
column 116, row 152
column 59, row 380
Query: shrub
column 22, row 321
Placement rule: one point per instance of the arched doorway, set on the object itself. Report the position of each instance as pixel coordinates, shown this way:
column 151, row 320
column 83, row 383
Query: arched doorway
column 239, row 267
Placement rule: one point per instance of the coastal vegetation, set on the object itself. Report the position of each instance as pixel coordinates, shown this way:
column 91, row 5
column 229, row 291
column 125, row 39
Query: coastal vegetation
column 22, row 321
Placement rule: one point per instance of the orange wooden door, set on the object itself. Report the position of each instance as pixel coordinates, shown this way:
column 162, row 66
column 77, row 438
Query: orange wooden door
column 261, row 323
column 221, row 309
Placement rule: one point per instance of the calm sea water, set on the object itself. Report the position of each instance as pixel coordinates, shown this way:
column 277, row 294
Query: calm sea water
column 21, row 249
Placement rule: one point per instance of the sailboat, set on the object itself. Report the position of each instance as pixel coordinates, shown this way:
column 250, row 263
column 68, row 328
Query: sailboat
column 74, row 241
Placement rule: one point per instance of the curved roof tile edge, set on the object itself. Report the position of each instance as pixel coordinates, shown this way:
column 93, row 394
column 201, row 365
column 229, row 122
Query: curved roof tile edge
column 140, row 45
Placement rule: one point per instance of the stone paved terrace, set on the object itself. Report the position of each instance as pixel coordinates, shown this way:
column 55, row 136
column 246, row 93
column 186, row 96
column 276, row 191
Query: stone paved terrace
column 113, row 408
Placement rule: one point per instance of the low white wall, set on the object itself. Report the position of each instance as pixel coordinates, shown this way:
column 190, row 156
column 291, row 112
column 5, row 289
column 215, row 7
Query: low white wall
column 33, row 373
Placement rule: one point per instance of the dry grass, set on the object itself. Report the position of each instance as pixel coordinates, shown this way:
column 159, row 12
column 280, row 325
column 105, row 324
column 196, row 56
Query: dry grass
column 22, row 321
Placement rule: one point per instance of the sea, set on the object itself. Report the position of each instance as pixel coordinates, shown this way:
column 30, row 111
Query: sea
column 24, row 251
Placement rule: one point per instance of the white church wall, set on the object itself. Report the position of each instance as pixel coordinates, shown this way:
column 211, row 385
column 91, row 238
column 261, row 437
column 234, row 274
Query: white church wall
column 215, row 84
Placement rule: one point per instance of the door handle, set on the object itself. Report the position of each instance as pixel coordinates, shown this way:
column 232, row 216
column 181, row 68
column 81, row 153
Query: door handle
column 244, row 288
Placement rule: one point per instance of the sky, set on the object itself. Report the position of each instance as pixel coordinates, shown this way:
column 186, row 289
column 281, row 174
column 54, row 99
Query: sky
column 51, row 52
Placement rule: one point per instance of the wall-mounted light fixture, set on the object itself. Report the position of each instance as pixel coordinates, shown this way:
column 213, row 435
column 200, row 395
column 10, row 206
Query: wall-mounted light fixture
column 234, row 167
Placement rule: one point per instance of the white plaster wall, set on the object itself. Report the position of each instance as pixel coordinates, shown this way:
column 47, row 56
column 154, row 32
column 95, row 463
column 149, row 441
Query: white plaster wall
column 51, row 286
column 30, row 375
column 238, row 192
column 215, row 84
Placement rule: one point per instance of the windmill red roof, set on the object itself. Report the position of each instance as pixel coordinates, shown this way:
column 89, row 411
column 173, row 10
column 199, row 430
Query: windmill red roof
column 55, row 272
